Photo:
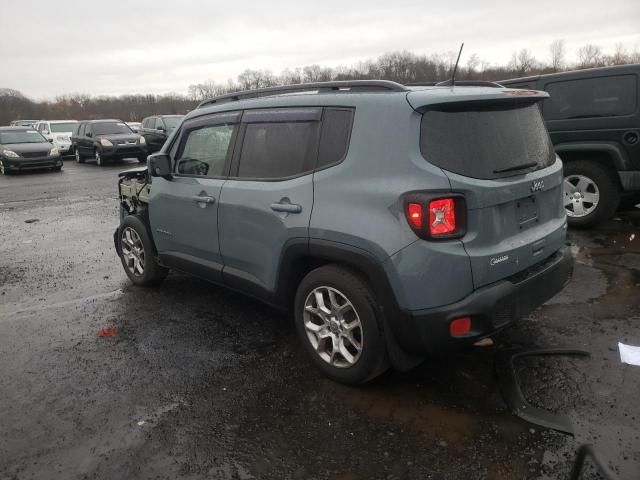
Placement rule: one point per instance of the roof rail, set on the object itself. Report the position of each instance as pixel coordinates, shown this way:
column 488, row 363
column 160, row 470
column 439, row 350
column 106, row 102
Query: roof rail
column 336, row 86
column 469, row 83
column 421, row 84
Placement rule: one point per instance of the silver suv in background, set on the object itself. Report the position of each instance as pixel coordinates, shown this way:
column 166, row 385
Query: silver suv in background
column 58, row 132
column 394, row 222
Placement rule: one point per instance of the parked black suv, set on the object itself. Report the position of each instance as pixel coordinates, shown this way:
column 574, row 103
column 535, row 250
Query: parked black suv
column 157, row 129
column 594, row 122
column 106, row 140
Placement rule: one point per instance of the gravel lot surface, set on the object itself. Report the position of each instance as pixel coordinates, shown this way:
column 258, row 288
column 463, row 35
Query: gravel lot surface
column 203, row 383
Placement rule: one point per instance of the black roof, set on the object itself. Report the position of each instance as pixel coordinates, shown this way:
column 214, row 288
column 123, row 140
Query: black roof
column 587, row 72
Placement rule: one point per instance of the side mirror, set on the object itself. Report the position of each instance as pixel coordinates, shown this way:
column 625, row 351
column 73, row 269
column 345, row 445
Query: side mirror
column 160, row 165
column 161, row 129
column 51, row 140
column 89, row 134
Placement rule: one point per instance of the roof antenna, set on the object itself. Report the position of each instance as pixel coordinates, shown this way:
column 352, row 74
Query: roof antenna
column 455, row 67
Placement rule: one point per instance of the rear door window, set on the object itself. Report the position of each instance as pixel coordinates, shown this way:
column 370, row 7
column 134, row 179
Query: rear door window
column 592, row 97
column 279, row 143
column 487, row 142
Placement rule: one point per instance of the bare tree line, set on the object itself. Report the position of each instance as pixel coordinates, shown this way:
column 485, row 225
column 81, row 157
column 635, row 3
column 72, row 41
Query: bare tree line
column 402, row 66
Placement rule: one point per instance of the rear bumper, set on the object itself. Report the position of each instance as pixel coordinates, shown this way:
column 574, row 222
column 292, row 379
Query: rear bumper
column 491, row 308
column 630, row 180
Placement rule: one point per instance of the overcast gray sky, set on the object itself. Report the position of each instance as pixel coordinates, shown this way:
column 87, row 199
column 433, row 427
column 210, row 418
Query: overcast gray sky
column 110, row 47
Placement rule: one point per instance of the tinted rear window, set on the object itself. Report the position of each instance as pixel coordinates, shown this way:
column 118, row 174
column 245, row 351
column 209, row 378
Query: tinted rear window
column 486, row 142
column 592, row 97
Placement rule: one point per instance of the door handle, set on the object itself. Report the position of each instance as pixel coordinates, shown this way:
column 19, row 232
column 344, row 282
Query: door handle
column 203, row 199
column 286, row 207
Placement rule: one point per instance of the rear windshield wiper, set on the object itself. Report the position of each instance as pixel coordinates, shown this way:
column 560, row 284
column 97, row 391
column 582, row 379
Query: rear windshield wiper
column 516, row 167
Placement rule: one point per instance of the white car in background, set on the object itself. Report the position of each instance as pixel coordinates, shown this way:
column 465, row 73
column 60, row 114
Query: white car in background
column 58, row 132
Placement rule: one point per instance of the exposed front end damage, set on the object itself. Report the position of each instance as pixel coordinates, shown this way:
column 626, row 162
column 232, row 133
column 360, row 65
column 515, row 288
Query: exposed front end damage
column 133, row 194
column 133, row 190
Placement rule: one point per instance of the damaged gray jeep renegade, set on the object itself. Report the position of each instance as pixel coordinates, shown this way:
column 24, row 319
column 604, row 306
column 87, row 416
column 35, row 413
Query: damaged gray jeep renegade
column 395, row 222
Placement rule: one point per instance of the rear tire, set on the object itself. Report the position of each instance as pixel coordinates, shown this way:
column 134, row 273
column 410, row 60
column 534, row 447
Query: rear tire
column 336, row 312
column 57, row 169
column 591, row 193
column 138, row 255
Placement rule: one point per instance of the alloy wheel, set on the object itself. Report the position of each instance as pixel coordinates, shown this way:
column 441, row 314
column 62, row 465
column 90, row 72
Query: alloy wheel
column 132, row 251
column 98, row 158
column 581, row 195
column 333, row 327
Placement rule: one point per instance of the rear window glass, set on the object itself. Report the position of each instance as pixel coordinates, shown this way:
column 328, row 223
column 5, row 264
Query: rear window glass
column 486, row 142
column 336, row 132
column 278, row 150
column 591, row 97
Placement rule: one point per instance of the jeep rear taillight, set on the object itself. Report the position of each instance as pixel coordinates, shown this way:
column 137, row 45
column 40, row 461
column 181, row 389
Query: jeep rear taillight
column 414, row 214
column 434, row 217
column 442, row 216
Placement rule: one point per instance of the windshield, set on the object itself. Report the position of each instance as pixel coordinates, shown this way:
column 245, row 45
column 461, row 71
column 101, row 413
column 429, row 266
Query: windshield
column 486, row 141
column 63, row 127
column 172, row 122
column 111, row 128
column 24, row 136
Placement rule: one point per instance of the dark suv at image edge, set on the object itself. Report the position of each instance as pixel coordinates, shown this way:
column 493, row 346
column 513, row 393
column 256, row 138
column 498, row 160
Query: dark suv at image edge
column 593, row 117
column 357, row 206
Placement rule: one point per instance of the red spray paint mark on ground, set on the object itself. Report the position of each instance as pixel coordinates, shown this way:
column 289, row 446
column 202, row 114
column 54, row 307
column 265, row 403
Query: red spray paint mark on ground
column 108, row 332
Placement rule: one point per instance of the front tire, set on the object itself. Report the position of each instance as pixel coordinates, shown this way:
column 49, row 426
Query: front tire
column 591, row 193
column 138, row 255
column 78, row 155
column 97, row 154
column 340, row 326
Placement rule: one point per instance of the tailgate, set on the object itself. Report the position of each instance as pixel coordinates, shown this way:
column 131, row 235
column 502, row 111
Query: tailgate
column 499, row 155
column 509, row 227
